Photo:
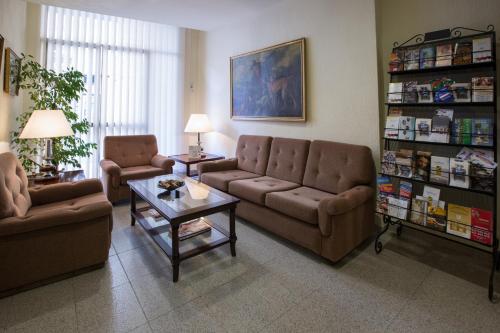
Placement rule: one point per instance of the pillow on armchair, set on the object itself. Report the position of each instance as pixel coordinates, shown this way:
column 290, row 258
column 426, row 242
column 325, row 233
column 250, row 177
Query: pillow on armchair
column 14, row 196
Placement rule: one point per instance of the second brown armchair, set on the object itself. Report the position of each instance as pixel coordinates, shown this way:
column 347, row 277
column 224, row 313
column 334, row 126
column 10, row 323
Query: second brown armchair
column 130, row 157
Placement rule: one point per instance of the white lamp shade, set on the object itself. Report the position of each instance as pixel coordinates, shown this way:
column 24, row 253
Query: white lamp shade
column 198, row 123
column 46, row 124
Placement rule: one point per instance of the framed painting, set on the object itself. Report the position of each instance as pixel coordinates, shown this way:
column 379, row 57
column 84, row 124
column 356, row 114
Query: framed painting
column 1, row 49
column 11, row 72
column 269, row 84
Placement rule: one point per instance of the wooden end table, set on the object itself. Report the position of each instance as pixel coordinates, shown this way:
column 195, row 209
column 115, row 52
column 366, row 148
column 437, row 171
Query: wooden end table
column 62, row 177
column 188, row 161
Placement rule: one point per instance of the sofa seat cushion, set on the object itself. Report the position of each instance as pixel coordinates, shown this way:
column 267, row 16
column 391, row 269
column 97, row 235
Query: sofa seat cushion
column 140, row 172
column 221, row 179
column 255, row 189
column 301, row 203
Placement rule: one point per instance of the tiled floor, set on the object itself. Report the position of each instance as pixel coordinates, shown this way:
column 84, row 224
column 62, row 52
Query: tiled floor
column 417, row 284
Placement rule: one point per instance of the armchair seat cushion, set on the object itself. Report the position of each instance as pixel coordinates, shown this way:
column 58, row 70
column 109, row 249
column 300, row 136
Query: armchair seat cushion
column 301, row 203
column 220, row 179
column 140, row 172
column 255, row 189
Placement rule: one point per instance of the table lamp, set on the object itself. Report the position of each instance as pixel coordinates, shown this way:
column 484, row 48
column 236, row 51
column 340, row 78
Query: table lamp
column 47, row 124
column 198, row 123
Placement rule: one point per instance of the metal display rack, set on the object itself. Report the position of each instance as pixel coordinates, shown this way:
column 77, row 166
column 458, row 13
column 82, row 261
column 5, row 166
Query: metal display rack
column 470, row 70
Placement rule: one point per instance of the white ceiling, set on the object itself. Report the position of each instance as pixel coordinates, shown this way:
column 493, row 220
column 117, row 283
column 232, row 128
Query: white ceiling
column 195, row 14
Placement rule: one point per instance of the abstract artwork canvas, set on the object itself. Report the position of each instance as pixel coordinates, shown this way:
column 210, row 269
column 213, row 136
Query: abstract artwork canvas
column 269, row 84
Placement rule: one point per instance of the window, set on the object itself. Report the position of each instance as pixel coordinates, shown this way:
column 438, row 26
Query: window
column 133, row 74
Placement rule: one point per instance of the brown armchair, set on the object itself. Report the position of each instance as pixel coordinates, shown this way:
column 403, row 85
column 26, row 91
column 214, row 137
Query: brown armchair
column 130, row 157
column 48, row 232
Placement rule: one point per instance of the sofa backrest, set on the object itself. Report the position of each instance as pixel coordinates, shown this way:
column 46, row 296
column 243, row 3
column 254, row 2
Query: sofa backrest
column 337, row 167
column 14, row 196
column 130, row 150
column 252, row 153
column 287, row 160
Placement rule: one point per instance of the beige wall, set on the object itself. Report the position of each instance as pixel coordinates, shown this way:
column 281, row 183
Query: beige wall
column 12, row 28
column 342, row 102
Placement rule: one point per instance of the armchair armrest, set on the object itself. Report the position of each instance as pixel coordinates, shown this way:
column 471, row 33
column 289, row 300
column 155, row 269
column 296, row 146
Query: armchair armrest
column 220, row 165
column 54, row 218
column 341, row 204
column 41, row 195
column 110, row 167
column 162, row 162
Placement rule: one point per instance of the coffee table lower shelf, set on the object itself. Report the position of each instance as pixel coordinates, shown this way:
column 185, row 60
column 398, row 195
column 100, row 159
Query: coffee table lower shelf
column 160, row 232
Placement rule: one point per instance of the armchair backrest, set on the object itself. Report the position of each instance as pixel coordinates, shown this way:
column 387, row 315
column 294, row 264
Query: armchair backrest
column 337, row 167
column 130, row 150
column 252, row 153
column 14, row 196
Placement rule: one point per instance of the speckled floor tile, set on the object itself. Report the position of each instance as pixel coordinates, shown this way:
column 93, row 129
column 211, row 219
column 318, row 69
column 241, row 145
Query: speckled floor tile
column 143, row 261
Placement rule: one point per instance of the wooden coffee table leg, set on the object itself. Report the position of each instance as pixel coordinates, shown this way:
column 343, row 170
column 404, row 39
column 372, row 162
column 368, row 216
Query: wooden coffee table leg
column 132, row 207
column 175, row 252
column 232, row 232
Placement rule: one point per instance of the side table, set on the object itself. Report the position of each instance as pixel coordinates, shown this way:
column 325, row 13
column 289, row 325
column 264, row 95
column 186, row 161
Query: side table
column 188, row 161
column 63, row 177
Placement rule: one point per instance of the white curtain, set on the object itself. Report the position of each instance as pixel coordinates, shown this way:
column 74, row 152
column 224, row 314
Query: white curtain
column 133, row 74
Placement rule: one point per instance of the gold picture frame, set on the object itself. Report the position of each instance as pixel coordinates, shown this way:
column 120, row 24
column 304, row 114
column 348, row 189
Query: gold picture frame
column 11, row 72
column 269, row 83
column 2, row 40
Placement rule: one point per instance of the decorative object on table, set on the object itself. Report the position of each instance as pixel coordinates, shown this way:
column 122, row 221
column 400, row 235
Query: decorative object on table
column 46, row 125
column 2, row 40
column 198, row 123
column 11, row 72
column 61, row 91
column 269, row 84
column 194, row 152
column 170, row 184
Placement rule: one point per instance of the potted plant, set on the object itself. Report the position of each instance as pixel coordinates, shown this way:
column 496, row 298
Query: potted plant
column 49, row 90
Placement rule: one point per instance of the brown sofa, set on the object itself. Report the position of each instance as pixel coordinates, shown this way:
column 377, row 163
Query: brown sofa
column 48, row 232
column 130, row 157
column 318, row 194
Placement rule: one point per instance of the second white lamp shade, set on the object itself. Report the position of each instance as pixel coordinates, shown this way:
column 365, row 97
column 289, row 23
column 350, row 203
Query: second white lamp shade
column 198, row 123
column 46, row 124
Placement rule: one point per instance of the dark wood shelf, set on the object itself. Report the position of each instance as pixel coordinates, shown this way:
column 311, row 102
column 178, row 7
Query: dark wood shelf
column 490, row 64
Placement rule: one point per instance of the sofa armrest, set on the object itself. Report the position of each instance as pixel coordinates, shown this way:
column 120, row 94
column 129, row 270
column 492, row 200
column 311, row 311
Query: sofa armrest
column 162, row 162
column 341, row 204
column 111, row 168
column 220, row 165
column 41, row 195
column 54, row 218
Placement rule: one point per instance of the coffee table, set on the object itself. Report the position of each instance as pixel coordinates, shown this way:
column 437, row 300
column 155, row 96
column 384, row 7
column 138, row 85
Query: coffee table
column 196, row 200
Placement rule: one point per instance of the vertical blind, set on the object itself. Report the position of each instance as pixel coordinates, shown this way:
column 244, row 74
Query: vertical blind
column 133, row 74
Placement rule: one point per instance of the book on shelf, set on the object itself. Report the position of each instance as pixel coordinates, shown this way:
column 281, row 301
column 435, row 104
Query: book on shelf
column 481, row 178
column 459, row 173
column 382, row 203
column 462, row 53
column 440, row 129
column 443, row 55
column 396, row 60
column 405, row 189
column 482, row 89
column 395, row 112
column 459, row 221
column 404, row 163
column 461, row 131
column 424, row 93
column 410, row 92
column 440, row 169
column 395, row 94
column 385, row 185
column 418, row 213
column 481, row 49
column 482, row 132
column 411, row 59
column 423, row 129
column 406, row 128
column 391, row 127
column 436, row 215
column 461, row 92
column 482, row 226
column 397, row 207
column 431, row 194
column 427, row 57
column 422, row 165
column 389, row 162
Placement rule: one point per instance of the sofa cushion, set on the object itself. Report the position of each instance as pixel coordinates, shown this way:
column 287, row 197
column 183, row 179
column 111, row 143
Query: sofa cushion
column 130, row 150
column 221, row 179
column 14, row 196
column 301, row 203
column 252, row 152
column 337, row 167
column 255, row 189
column 140, row 172
column 287, row 159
